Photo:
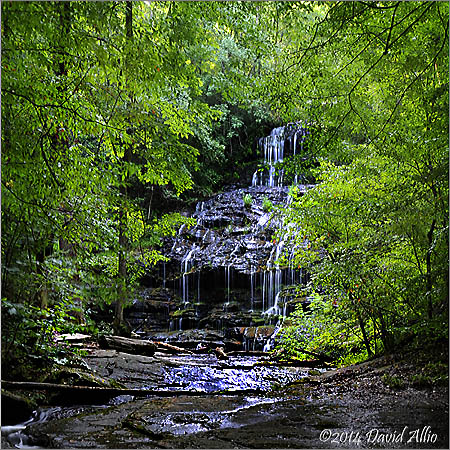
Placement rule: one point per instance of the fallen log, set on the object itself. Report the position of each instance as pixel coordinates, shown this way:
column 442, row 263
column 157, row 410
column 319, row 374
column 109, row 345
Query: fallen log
column 208, row 345
column 73, row 337
column 128, row 345
column 220, row 354
column 171, row 349
column 192, row 345
column 93, row 392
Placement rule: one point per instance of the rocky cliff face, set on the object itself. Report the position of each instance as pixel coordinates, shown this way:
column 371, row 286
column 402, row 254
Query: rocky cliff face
column 224, row 272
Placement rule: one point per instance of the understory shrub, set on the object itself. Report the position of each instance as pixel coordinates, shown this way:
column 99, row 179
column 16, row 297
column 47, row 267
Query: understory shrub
column 30, row 336
column 247, row 199
column 267, row 205
column 319, row 328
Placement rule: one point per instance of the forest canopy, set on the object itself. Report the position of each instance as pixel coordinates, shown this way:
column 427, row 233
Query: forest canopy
column 115, row 113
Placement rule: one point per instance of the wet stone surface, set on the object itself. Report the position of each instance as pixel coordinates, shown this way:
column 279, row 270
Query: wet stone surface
column 195, row 372
column 245, row 422
column 338, row 409
column 226, row 271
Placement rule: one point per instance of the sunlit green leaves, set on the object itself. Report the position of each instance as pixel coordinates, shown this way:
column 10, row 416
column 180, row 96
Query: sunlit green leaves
column 87, row 112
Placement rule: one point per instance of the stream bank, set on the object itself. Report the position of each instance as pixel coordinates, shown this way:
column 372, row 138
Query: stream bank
column 296, row 408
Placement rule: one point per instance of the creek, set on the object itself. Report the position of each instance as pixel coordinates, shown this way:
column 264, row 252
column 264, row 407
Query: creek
column 126, row 419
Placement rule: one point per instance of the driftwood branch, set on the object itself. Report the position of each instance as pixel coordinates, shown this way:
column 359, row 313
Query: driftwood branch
column 114, row 392
column 139, row 346
column 171, row 349
column 220, row 354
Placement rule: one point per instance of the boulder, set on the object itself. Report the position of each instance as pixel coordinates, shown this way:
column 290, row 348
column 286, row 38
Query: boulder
column 128, row 345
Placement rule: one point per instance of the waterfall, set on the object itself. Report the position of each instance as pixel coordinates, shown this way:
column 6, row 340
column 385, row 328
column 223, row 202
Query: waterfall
column 275, row 278
column 252, row 289
column 246, row 277
column 227, row 282
column 273, row 149
column 186, row 266
column 255, row 179
column 279, row 277
column 198, row 212
column 271, row 340
column 164, row 274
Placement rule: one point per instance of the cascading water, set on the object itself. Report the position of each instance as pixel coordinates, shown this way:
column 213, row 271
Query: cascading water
column 247, row 278
column 271, row 340
column 273, row 148
column 186, row 265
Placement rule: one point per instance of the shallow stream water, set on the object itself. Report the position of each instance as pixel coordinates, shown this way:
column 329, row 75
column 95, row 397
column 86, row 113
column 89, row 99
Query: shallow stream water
column 201, row 373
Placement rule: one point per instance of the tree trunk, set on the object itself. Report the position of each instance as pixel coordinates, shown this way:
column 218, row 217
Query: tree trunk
column 364, row 333
column 429, row 279
column 128, row 345
column 91, row 394
column 40, row 259
column 119, row 324
column 386, row 336
column 361, row 325
column 64, row 22
column 164, row 347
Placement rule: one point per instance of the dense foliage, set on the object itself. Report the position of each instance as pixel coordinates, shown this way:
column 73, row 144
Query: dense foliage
column 374, row 230
column 105, row 104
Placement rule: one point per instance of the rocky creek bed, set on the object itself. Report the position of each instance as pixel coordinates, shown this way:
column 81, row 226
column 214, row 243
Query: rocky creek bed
column 292, row 407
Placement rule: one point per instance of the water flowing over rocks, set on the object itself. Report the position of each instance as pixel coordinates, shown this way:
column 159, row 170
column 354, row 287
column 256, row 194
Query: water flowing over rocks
column 283, row 140
column 350, row 400
column 224, row 272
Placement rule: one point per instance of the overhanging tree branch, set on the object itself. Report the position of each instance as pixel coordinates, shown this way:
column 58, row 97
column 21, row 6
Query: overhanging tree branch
column 66, row 108
column 419, row 75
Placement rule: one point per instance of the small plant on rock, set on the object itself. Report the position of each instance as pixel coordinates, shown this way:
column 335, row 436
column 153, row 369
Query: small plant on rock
column 247, row 198
column 267, row 205
column 392, row 381
column 421, row 381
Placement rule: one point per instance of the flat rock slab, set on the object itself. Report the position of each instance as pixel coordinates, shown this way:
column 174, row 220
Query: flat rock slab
column 133, row 371
column 179, row 422
column 193, row 372
column 245, row 422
